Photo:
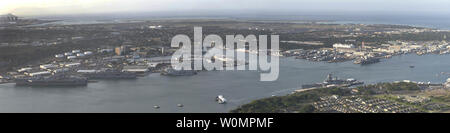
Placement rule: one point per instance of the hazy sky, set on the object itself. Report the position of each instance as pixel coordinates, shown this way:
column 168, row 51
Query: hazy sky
column 58, row 7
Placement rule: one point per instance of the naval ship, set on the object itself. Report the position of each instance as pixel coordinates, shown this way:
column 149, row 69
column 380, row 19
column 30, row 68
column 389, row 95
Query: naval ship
column 110, row 74
column 52, row 81
column 169, row 71
column 334, row 81
column 366, row 60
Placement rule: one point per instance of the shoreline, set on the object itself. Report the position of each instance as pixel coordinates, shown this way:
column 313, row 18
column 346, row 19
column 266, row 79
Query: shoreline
column 73, row 22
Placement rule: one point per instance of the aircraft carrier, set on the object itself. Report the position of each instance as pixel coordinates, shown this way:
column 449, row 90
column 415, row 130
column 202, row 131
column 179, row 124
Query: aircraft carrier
column 52, row 81
column 334, row 81
column 366, row 60
column 172, row 72
column 111, row 74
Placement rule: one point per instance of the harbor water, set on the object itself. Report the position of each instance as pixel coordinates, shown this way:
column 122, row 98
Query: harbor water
column 198, row 92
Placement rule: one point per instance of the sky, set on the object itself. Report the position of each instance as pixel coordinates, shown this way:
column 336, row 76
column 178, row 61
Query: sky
column 63, row 7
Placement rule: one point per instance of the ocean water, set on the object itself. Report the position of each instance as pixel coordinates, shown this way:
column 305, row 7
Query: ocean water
column 430, row 19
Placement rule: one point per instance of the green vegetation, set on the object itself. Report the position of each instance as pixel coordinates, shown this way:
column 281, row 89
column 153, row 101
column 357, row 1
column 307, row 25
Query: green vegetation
column 302, row 101
column 440, row 99
column 403, row 102
column 297, row 102
column 386, row 88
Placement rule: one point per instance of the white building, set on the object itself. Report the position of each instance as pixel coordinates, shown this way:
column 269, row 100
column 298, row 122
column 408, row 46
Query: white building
column 72, row 64
column 48, row 66
column 61, row 70
column 76, row 51
column 340, row 45
column 80, row 55
column 135, row 69
column 24, row 69
column 43, row 73
column 68, row 54
column 71, row 57
column 59, row 56
column 447, row 84
column 87, row 53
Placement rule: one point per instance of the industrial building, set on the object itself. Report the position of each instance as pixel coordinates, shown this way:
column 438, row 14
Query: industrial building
column 8, row 18
column 122, row 50
column 339, row 45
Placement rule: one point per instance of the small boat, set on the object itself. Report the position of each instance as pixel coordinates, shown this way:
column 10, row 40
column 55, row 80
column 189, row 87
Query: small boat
column 156, row 107
column 411, row 66
column 220, row 99
column 180, row 105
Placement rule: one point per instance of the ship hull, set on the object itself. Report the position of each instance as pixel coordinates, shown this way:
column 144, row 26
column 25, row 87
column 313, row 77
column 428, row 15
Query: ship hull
column 172, row 72
column 51, row 83
column 180, row 74
column 368, row 61
column 330, row 81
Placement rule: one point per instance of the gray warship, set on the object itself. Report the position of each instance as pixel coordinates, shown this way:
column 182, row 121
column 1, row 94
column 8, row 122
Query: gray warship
column 169, row 71
column 111, row 74
column 334, row 81
column 366, row 60
column 52, row 81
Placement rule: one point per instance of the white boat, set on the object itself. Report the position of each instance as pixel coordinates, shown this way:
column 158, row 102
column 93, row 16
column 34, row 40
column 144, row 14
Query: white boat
column 220, row 99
